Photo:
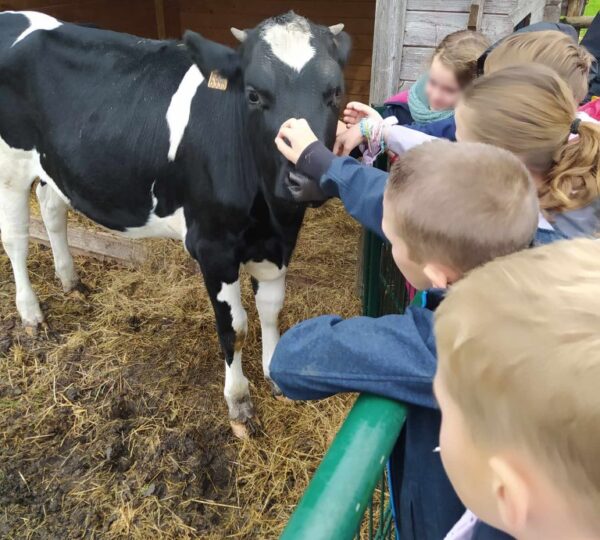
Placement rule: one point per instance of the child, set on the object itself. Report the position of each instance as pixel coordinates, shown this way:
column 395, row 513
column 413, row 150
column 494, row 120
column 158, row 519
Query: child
column 429, row 105
column 443, row 217
column 552, row 48
column 517, row 383
column 434, row 96
column 529, row 110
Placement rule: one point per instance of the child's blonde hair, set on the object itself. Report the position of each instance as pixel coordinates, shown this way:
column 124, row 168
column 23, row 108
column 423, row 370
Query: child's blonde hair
column 518, row 343
column 551, row 48
column 529, row 110
column 462, row 204
column 459, row 52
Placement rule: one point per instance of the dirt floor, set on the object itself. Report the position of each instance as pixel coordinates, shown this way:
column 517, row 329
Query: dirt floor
column 112, row 420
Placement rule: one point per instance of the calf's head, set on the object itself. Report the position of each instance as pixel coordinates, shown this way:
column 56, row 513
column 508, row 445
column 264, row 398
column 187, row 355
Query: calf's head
column 286, row 67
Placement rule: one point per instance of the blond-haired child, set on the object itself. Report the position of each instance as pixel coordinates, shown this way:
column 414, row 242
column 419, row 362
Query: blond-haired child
column 448, row 208
column 517, row 383
column 529, row 110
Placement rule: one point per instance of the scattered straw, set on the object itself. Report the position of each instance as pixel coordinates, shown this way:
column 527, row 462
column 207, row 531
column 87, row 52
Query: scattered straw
column 112, row 421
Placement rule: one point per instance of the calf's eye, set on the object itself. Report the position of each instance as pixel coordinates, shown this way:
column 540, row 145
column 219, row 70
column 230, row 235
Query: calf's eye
column 335, row 97
column 253, row 97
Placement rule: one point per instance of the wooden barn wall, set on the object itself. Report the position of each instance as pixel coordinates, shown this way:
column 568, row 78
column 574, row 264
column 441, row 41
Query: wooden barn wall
column 429, row 21
column 132, row 16
column 213, row 18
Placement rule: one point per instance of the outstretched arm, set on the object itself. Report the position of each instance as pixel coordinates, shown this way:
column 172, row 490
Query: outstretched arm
column 392, row 356
column 360, row 188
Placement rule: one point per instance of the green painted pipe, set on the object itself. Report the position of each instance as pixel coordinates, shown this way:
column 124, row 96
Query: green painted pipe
column 340, row 491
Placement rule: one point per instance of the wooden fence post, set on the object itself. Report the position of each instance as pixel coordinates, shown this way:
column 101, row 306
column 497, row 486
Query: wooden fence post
column 388, row 42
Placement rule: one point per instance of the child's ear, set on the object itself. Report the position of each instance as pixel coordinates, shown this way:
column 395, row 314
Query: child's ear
column 440, row 275
column 210, row 56
column 512, row 495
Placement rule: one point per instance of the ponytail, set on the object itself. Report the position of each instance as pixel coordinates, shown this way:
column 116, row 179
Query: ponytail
column 574, row 179
column 529, row 110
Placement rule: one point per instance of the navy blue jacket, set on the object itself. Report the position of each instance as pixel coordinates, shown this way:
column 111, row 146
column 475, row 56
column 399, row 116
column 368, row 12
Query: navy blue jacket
column 393, row 356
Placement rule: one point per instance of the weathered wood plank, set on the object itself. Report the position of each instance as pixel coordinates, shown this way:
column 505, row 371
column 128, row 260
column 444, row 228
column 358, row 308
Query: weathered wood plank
column 575, row 8
column 427, row 29
column 579, row 22
column 415, row 61
column 98, row 244
column 475, row 15
column 388, row 41
column 552, row 10
column 500, row 7
column 524, row 8
column 159, row 10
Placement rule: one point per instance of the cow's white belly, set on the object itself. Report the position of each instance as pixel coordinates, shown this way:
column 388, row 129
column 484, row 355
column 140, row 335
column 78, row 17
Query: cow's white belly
column 264, row 270
column 172, row 226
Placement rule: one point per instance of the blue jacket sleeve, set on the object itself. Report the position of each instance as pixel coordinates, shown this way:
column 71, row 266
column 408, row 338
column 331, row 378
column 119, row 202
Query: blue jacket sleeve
column 360, row 188
column 444, row 129
column 392, row 356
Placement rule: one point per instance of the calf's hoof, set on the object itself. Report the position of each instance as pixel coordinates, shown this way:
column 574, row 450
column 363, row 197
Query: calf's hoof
column 31, row 315
column 247, row 429
column 243, row 419
column 78, row 290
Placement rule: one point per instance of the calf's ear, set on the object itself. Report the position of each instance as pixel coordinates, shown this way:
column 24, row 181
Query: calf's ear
column 210, row 56
column 343, row 46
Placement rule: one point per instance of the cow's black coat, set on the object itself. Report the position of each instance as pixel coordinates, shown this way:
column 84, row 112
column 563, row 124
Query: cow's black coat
column 93, row 103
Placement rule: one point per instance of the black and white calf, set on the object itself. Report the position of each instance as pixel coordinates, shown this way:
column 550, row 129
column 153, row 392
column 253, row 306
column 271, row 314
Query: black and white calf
column 163, row 138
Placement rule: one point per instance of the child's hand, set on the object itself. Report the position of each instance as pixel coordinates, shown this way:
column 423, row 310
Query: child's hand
column 355, row 112
column 293, row 138
column 347, row 141
column 341, row 127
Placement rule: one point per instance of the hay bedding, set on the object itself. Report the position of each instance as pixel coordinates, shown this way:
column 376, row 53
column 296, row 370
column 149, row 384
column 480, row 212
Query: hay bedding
column 112, row 419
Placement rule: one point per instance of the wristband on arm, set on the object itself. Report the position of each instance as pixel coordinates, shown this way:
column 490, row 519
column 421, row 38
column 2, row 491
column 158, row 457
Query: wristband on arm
column 372, row 130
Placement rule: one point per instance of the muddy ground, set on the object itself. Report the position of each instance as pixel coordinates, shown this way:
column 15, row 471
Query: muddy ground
column 112, row 420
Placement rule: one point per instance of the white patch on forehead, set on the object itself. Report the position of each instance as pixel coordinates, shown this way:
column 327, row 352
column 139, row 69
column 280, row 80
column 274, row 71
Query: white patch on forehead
column 37, row 21
column 290, row 43
column 178, row 113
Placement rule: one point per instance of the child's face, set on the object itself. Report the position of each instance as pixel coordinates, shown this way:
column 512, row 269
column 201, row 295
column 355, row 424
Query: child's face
column 442, row 89
column 465, row 464
column 411, row 270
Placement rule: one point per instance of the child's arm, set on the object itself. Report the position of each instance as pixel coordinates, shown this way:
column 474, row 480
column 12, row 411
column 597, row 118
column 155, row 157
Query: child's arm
column 392, row 356
column 399, row 139
column 360, row 188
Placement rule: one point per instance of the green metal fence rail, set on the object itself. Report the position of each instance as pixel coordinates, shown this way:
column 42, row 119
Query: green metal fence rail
column 341, row 492
column 341, row 489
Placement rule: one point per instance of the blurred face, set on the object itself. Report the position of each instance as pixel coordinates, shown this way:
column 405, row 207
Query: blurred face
column 442, row 89
column 466, row 465
column 411, row 270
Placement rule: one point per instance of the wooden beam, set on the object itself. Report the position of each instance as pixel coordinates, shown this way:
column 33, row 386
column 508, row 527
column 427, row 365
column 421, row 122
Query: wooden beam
column 552, row 10
column 388, row 43
column 98, row 244
column 476, row 15
column 579, row 22
column 159, row 10
column 575, row 8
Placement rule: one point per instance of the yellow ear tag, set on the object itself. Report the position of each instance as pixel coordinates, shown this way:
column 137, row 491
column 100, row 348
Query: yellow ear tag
column 217, row 82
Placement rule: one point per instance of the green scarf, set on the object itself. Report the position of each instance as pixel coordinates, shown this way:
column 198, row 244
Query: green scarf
column 419, row 106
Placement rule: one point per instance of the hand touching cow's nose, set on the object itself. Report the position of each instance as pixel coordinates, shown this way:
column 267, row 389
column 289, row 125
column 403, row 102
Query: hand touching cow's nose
column 293, row 138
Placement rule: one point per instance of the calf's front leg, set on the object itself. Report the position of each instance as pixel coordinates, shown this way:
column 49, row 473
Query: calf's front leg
column 221, row 275
column 268, row 281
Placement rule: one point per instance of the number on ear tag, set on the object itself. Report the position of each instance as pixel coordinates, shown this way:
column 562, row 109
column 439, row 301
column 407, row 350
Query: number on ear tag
column 216, row 81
